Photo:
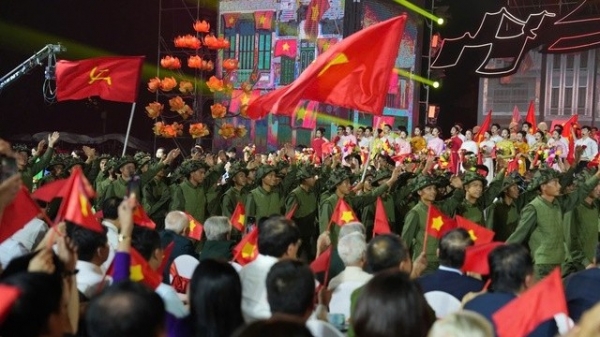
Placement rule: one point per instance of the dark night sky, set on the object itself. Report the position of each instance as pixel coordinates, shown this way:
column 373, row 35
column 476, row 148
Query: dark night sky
column 130, row 28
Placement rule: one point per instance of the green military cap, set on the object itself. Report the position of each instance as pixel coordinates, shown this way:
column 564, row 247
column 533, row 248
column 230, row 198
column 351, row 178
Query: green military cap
column 54, row 162
column 138, row 156
column 422, row 181
column 381, row 174
column 124, row 161
column 470, row 177
column 104, row 156
column 337, row 177
column 111, row 163
column 70, row 162
column 542, row 176
column 20, row 148
column 305, row 172
column 192, row 165
column 236, row 168
column 263, row 170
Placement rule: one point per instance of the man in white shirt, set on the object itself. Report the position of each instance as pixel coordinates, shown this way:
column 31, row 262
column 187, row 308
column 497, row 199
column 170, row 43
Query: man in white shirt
column 590, row 147
column 110, row 220
column 291, row 293
column 92, row 251
column 278, row 238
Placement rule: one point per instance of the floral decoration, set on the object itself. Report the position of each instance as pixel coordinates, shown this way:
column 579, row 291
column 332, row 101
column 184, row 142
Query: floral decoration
column 218, row 110
column 154, row 109
column 198, row 130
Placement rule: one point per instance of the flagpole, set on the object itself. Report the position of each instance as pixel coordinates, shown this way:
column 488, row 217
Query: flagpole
column 128, row 128
column 367, row 163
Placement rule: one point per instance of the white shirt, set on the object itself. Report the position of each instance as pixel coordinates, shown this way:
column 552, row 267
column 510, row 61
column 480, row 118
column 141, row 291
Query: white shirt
column 530, row 139
column 454, row 270
column 591, row 148
column 112, row 234
column 320, row 328
column 437, row 145
column 10, row 249
column 173, row 303
column 31, row 234
column 350, row 274
column 365, row 142
column 462, row 137
column 90, row 278
column 495, row 138
column 255, row 305
column 470, row 146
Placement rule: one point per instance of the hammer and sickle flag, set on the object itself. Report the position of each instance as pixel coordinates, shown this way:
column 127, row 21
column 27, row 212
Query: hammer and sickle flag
column 112, row 78
column 348, row 74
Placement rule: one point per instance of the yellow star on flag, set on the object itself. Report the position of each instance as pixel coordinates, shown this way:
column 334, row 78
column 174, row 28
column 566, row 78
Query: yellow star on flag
column 248, row 251
column 192, row 225
column 300, row 114
column 242, row 218
column 437, row 223
column 472, row 234
column 340, row 58
column 347, row 216
column 231, row 20
column 286, row 47
column 135, row 273
column 326, row 45
column 262, row 19
column 314, row 12
column 84, row 205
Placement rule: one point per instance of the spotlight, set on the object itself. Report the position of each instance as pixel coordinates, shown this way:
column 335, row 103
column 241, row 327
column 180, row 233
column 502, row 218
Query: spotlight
column 440, row 21
column 435, row 84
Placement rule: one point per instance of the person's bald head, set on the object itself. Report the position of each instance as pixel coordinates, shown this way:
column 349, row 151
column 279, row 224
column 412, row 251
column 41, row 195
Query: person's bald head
column 387, row 251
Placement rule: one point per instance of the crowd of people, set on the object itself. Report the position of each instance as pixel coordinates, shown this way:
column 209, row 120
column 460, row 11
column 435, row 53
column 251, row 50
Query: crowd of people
column 537, row 191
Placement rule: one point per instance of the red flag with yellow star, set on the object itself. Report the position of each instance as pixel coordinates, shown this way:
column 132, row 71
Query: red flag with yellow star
column 342, row 213
column 314, row 13
column 263, row 19
column 238, row 218
column 112, row 78
column 380, row 121
column 322, row 262
column 438, row 223
column 140, row 270
column 530, row 118
column 195, row 228
column 230, row 19
column 485, row 126
column 476, row 258
column 141, row 218
column 18, row 213
column 346, row 75
column 76, row 206
column 381, row 225
column 247, row 250
column 286, row 47
column 479, row 234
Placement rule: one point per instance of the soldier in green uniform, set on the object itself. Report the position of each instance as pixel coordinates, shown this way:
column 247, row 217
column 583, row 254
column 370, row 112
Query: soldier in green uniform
column 236, row 193
column 56, row 169
column 415, row 221
column 29, row 169
column 367, row 214
column 476, row 199
column 304, row 199
column 541, row 222
column 121, row 186
column 157, row 198
column 265, row 200
column 103, row 184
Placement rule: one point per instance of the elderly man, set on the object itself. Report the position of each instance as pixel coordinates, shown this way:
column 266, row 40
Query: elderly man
column 352, row 249
column 176, row 222
column 217, row 245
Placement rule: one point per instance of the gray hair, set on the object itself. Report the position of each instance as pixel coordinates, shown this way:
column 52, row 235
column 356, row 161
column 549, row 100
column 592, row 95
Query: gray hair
column 177, row 221
column 351, row 227
column 462, row 323
column 217, row 227
column 352, row 249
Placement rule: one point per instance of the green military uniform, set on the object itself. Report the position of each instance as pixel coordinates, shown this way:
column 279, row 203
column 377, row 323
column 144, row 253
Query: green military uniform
column 120, row 187
column 367, row 214
column 156, row 200
column 541, row 223
column 216, row 249
column 415, row 223
column 31, row 169
column 503, row 218
column 305, row 215
column 474, row 212
column 261, row 203
column 50, row 177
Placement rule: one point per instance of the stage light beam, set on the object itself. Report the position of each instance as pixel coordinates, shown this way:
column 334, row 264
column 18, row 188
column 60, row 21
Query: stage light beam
column 420, row 79
column 419, row 10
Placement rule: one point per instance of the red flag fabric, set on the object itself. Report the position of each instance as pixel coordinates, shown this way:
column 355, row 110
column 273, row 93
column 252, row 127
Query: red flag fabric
column 476, row 258
column 195, row 228
column 347, row 75
column 325, row 43
column 516, row 115
column 292, row 211
column 286, row 47
column 8, row 297
column 485, row 126
column 322, row 262
column 230, row 19
column 479, row 234
column 380, row 121
column 238, row 218
column 438, row 223
column 112, row 78
column 539, row 303
column 530, row 118
column 594, row 162
column 140, row 271
column 315, row 12
column 141, row 218
column 568, row 126
column 76, row 206
column 263, row 19
column 166, row 255
column 327, row 148
column 18, row 213
column 247, row 249
column 50, row 190
column 381, row 225
column 342, row 213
